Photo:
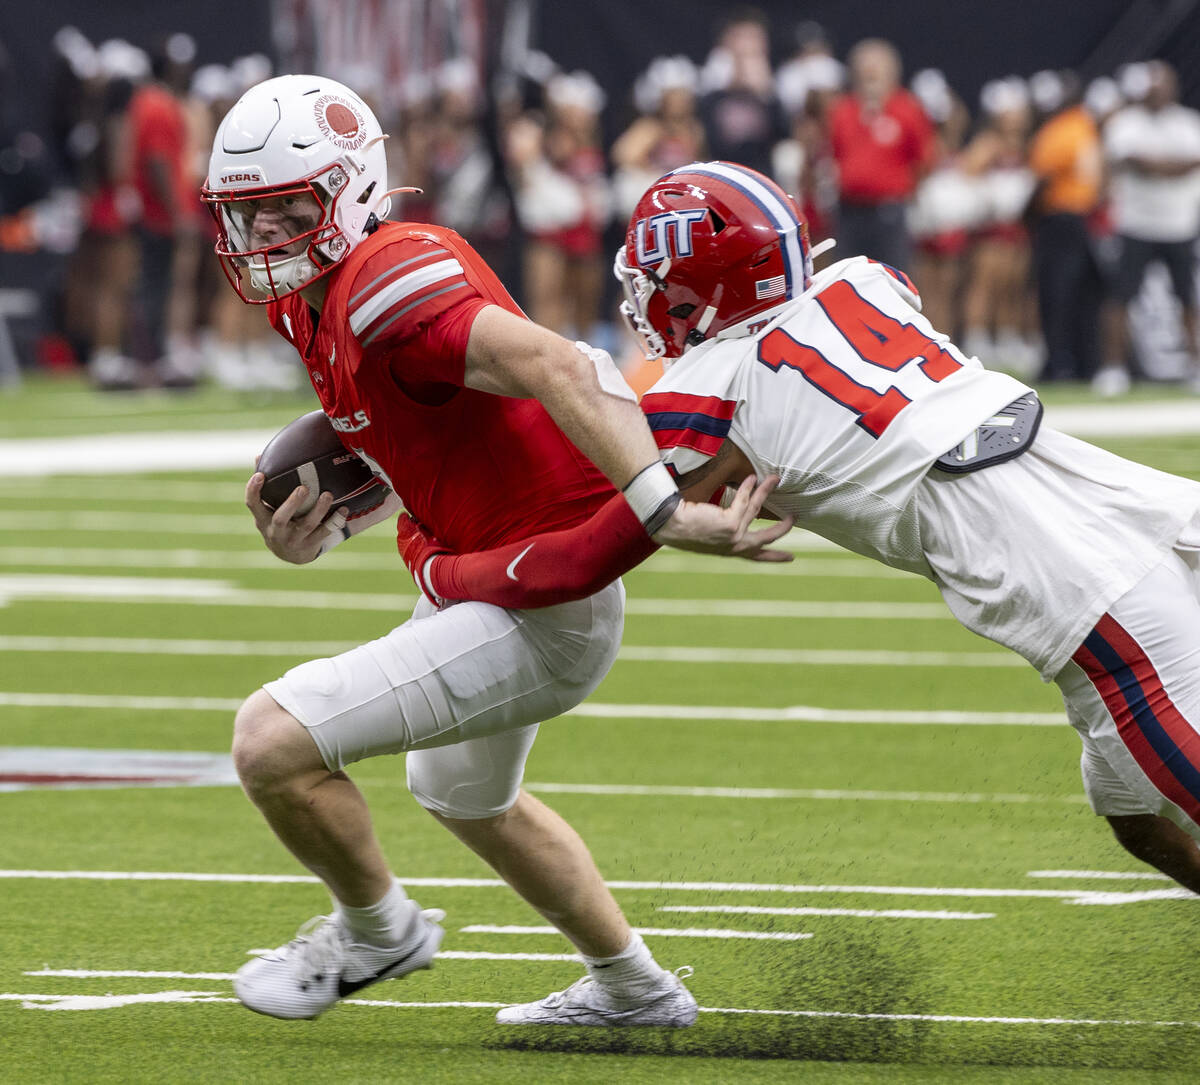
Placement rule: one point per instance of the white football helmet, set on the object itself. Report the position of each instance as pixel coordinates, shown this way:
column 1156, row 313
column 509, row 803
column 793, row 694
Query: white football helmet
column 287, row 142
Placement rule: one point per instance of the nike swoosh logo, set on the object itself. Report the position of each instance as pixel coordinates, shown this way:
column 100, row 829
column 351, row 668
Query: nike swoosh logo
column 348, row 987
column 511, row 571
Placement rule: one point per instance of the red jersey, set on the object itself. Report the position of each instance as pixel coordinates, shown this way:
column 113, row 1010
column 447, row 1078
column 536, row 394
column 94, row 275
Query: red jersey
column 387, row 359
column 158, row 129
column 879, row 156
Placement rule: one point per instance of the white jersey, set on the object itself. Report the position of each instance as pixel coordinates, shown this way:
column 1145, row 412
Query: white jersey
column 849, row 395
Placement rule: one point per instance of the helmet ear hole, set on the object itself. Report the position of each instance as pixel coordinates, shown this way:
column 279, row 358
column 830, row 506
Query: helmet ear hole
column 681, row 311
column 718, row 223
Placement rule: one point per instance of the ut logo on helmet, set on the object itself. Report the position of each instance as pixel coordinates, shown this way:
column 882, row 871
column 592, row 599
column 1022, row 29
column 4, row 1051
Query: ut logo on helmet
column 653, row 235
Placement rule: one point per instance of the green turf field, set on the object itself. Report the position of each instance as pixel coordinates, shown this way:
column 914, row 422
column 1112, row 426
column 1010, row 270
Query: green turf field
column 861, row 825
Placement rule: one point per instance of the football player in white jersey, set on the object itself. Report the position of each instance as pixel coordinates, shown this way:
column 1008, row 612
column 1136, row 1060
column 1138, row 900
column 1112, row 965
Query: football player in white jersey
column 891, row 442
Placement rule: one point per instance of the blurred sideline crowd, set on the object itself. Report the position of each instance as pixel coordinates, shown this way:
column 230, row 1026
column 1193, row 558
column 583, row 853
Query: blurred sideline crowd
column 1028, row 219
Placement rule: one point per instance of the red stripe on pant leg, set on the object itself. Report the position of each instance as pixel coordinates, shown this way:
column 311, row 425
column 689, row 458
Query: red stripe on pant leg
column 1172, row 721
column 1136, row 742
column 1128, row 729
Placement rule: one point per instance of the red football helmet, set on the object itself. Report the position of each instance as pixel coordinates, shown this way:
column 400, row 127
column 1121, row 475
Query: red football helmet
column 710, row 246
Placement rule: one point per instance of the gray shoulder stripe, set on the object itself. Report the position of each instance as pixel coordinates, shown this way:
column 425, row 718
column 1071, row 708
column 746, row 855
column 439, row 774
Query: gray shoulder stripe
column 412, row 305
column 438, row 253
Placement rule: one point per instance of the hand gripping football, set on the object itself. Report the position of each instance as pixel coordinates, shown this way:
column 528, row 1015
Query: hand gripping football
column 307, row 452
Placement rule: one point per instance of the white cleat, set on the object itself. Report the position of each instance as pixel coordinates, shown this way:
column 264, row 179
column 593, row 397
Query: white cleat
column 586, row 1002
column 321, row 965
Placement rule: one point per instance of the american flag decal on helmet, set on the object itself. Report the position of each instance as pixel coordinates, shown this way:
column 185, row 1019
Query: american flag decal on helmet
column 769, row 288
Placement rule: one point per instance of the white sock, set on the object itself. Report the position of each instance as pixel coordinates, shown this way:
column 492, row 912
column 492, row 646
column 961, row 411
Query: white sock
column 632, row 973
column 385, row 923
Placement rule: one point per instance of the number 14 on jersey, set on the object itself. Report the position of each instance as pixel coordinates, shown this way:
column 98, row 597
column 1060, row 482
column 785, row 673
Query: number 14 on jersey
column 878, row 339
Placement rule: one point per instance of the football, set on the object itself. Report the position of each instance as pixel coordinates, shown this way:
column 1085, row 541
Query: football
column 307, row 452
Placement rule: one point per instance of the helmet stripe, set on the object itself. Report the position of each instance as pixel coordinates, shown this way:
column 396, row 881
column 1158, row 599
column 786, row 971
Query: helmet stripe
column 779, row 212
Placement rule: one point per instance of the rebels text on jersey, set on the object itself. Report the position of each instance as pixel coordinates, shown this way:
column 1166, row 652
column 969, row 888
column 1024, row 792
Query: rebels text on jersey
column 387, row 359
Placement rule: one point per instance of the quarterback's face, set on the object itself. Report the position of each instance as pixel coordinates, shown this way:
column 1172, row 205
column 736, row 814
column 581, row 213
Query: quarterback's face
column 275, row 222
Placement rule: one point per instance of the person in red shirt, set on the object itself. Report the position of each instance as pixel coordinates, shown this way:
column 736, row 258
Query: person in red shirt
column 488, row 428
column 882, row 144
column 159, row 147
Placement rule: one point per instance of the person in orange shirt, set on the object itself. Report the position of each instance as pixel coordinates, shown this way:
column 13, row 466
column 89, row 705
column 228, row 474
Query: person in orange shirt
column 1066, row 160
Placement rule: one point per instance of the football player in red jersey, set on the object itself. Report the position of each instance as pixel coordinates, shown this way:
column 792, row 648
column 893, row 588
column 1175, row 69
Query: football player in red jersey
column 893, row 443
column 488, row 428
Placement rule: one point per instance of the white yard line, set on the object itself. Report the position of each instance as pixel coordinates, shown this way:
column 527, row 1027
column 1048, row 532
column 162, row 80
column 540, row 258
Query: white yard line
column 101, row 1002
column 237, row 523
column 809, row 714
column 170, row 646
column 133, row 453
column 1077, row 896
column 632, row 653
column 656, row 932
column 1113, row 875
column 73, row 557
column 113, row 453
column 137, row 704
column 82, row 766
column 213, row 592
column 661, row 712
column 360, row 559
column 128, row 973
column 819, row 657
column 1176, row 417
column 29, row 521
column 124, row 973
column 125, row 490
column 833, row 793
column 855, row 913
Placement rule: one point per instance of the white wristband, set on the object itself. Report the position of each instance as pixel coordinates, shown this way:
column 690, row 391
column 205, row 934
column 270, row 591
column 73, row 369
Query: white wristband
column 425, row 583
column 653, row 495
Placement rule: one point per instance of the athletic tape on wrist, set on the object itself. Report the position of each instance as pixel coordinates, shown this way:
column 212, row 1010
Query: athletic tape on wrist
column 653, row 496
column 426, row 584
column 336, row 534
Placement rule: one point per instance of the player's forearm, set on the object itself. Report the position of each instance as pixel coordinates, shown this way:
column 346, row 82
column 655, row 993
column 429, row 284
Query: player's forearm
column 589, row 400
column 581, row 389
column 554, row 567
